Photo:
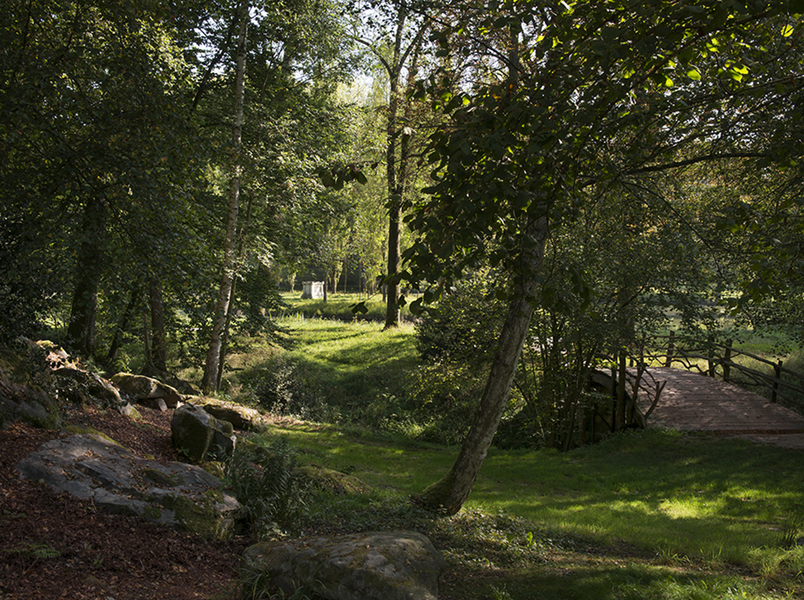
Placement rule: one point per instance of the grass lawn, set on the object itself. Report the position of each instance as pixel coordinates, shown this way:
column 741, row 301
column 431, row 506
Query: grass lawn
column 644, row 515
column 337, row 306
column 654, row 514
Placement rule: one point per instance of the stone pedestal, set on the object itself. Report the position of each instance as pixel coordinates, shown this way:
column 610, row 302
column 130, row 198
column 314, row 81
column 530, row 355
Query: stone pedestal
column 312, row 289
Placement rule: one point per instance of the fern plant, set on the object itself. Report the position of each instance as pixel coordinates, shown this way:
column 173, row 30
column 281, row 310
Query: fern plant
column 266, row 480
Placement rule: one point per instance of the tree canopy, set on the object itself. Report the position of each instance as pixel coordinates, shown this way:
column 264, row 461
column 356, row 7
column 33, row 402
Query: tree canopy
column 585, row 157
column 567, row 104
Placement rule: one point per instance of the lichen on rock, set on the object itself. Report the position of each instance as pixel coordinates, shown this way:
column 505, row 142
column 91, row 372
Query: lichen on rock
column 91, row 467
column 368, row 566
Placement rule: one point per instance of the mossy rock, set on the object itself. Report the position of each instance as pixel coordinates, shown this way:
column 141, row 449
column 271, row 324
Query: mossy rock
column 89, row 465
column 335, row 481
column 160, row 478
column 241, row 417
column 214, row 467
column 366, row 566
column 83, row 429
column 196, row 434
column 200, row 515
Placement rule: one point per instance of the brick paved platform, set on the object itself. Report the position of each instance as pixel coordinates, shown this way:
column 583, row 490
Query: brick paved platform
column 693, row 402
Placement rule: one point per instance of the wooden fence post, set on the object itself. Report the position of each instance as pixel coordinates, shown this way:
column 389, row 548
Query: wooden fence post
column 670, row 348
column 777, row 369
column 621, row 375
column 711, row 355
column 727, row 361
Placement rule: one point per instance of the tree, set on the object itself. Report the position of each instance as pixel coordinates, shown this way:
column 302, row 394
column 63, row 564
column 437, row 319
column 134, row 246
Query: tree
column 577, row 98
column 296, row 58
column 399, row 56
column 97, row 150
column 212, row 365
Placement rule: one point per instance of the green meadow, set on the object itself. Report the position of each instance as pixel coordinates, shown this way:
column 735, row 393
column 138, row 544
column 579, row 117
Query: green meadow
column 642, row 515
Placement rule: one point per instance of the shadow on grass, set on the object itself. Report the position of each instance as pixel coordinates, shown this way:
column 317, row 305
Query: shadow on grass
column 580, row 577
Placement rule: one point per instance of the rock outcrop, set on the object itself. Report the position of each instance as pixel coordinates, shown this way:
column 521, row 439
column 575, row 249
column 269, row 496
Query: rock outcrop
column 200, row 436
column 241, row 417
column 366, row 566
column 25, row 387
column 146, row 390
column 96, row 468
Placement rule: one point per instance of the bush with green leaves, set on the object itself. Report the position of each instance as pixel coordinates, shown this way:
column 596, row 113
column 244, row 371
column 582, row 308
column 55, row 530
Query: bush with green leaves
column 265, row 479
column 456, row 339
column 281, row 389
column 465, row 323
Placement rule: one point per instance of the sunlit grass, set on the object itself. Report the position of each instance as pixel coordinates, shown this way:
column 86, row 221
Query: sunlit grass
column 338, row 306
column 653, row 514
column 693, row 496
column 693, row 508
column 354, row 362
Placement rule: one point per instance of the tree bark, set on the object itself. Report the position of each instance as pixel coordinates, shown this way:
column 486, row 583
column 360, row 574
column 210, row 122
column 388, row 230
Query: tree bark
column 391, row 175
column 158, row 335
column 81, row 329
column 240, row 259
column 225, row 335
column 451, row 492
column 122, row 325
column 210, row 379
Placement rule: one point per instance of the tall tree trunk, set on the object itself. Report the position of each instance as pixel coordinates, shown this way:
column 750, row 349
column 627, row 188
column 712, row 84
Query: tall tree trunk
column 394, row 187
column 158, row 335
column 225, row 336
column 240, row 260
column 148, row 367
column 81, row 330
column 229, row 246
column 122, row 325
column 451, row 492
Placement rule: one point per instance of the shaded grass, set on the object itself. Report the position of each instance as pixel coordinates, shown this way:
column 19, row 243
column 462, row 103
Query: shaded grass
column 653, row 514
column 337, row 306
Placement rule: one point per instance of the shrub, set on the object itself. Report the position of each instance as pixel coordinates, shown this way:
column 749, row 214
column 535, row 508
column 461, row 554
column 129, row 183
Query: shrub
column 456, row 340
column 265, row 480
column 464, row 325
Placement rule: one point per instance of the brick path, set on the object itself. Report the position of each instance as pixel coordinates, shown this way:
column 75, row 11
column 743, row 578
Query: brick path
column 693, row 402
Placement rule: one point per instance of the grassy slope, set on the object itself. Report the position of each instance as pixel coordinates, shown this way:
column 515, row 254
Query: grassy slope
column 652, row 514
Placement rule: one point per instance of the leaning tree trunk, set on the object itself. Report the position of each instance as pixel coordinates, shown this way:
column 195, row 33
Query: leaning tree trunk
column 213, row 354
column 451, row 492
column 81, row 330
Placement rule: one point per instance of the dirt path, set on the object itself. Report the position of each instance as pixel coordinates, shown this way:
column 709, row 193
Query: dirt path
column 694, row 402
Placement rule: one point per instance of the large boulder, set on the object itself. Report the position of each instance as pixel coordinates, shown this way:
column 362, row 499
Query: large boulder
column 25, row 385
column 368, row 566
column 84, row 387
column 31, row 405
column 198, row 434
column 241, row 417
column 145, row 389
column 92, row 467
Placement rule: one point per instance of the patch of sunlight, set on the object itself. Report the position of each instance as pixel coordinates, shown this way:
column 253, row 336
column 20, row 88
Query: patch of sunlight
column 688, row 508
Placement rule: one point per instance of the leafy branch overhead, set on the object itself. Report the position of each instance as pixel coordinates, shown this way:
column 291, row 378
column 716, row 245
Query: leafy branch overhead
column 337, row 176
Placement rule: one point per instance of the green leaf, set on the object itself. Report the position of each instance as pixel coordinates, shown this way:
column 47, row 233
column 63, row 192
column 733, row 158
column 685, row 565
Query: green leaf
column 359, row 308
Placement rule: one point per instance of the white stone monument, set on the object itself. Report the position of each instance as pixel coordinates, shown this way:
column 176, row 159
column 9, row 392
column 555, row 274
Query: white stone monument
column 312, row 289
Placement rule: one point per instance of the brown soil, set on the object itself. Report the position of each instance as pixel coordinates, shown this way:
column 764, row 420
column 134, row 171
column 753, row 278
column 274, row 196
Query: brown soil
column 55, row 546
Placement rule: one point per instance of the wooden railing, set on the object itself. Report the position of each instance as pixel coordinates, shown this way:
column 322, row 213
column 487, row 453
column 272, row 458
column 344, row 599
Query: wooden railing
column 721, row 359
